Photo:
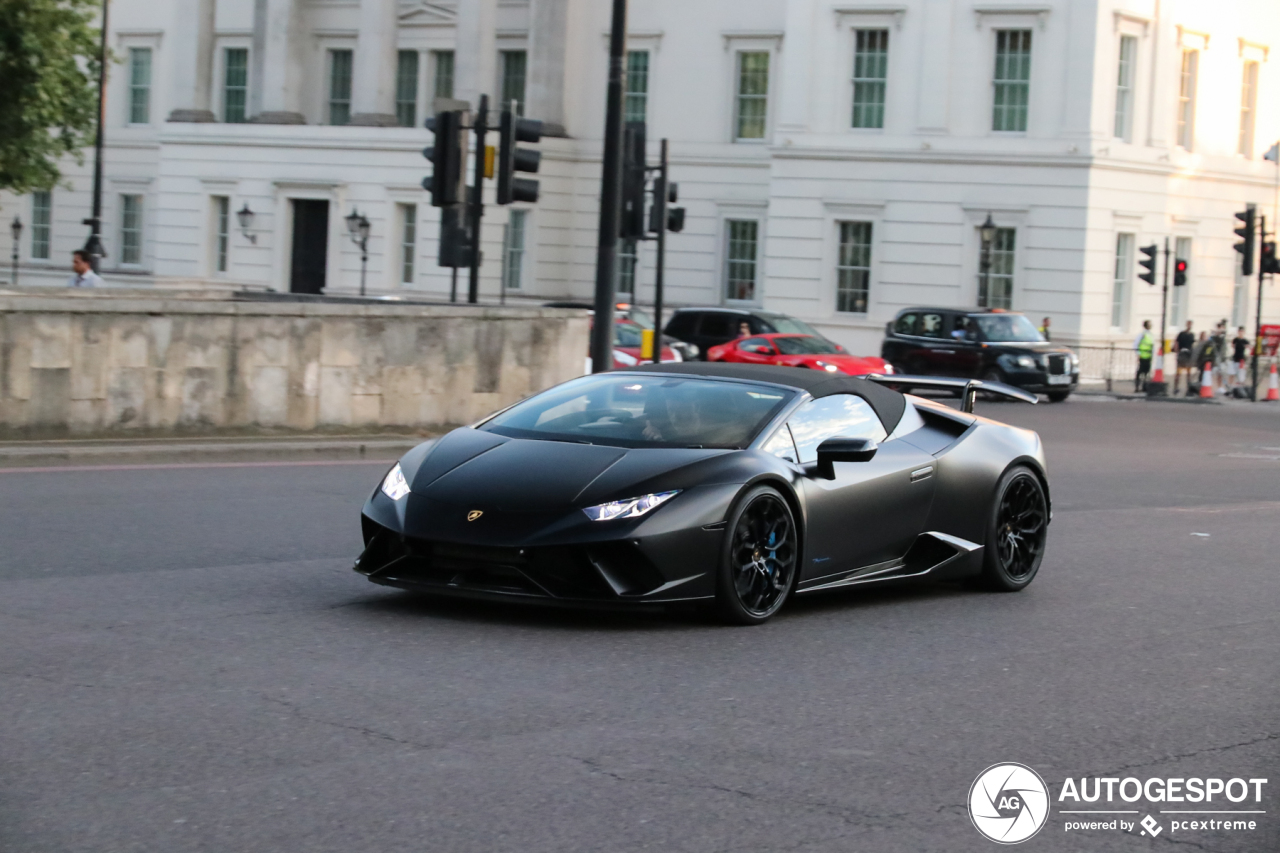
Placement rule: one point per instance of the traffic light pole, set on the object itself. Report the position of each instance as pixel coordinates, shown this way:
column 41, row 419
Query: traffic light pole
column 610, row 197
column 1158, row 389
column 475, row 209
column 1257, row 321
column 660, row 202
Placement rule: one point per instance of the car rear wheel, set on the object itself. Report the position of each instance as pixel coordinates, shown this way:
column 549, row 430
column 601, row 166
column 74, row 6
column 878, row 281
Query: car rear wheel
column 1015, row 531
column 758, row 565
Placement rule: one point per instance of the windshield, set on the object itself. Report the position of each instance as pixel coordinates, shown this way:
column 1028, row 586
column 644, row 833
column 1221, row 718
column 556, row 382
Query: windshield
column 1007, row 328
column 789, row 325
column 638, row 316
column 626, row 335
column 633, row 410
column 804, row 345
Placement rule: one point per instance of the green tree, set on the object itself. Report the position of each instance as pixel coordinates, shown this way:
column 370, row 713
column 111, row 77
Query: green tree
column 49, row 76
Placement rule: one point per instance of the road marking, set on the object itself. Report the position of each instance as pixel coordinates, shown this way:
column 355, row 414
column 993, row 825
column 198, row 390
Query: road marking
column 162, row 466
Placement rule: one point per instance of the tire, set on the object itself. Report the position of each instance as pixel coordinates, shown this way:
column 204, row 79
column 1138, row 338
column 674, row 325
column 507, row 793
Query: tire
column 1058, row 396
column 760, row 559
column 1016, row 530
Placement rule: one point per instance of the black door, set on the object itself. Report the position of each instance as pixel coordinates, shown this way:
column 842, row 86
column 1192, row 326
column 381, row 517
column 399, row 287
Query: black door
column 717, row 327
column 310, row 245
column 870, row 512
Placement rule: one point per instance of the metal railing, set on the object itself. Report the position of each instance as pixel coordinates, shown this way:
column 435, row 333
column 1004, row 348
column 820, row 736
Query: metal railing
column 1107, row 364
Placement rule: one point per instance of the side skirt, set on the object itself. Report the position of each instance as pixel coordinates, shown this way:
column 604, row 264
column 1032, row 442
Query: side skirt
column 932, row 554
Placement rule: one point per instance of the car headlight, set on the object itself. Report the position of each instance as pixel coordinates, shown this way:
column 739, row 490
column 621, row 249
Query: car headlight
column 888, row 369
column 629, row 508
column 1075, row 360
column 693, row 350
column 1026, row 361
column 394, row 485
column 830, row 368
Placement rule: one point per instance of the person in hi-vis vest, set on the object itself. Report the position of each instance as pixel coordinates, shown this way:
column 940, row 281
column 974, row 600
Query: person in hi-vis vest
column 1145, row 345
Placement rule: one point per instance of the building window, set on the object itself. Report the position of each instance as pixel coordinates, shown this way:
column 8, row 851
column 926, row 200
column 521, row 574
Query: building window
column 1124, row 87
column 1248, row 108
column 753, row 94
column 635, row 103
column 740, row 257
column 1187, row 99
column 853, row 269
column 513, row 250
column 408, row 241
column 443, row 73
column 870, row 70
column 1012, row 80
column 139, row 85
column 1122, row 280
column 339, row 86
column 995, row 289
column 1181, row 295
column 130, row 229
column 627, row 267
column 514, row 63
column 235, row 85
column 41, row 224
column 407, row 88
column 221, row 231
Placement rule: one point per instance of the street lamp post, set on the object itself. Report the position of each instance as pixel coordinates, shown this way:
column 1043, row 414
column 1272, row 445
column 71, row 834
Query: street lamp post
column 93, row 246
column 987, row 230
column 16, row 227
column 358, row 227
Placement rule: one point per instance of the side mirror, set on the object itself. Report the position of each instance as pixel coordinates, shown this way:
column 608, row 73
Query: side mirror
column 841, row 449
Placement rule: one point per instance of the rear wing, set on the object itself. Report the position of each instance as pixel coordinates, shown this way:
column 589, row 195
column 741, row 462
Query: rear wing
column 968, row 388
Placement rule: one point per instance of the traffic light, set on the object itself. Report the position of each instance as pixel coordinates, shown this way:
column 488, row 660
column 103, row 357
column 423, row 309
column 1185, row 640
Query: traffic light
column 1245, row 246
column 448, row 156
column 1148, row 263
column 675, row 219
column 512, row 159
column 1179, row 272
column 674, row 215
column 631, row 225
column 455, row 245
column 1268, row 262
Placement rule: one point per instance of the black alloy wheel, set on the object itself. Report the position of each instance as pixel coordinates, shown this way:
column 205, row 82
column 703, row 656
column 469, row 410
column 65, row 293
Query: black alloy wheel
column 1016, row 531
column 758, row 568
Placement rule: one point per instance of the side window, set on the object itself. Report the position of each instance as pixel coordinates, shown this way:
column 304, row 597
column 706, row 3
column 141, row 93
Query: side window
column 781, row 445
column 718, row 325
column 906, row 325
column 754, row 344
column 844, row 415
column 930, row 326
column 965, row 329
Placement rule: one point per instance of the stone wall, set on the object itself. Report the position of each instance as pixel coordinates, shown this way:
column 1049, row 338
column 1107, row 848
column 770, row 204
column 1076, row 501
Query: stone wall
column 94, row 362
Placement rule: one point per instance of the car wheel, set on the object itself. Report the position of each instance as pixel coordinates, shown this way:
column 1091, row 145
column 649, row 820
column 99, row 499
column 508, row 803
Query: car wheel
column 758, row 564
column 1058, row 396
column 995, row 374
column 1015, row 531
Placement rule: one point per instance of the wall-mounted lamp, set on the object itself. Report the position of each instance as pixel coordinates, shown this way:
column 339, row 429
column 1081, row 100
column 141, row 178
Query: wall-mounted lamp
column 245, row 216
column 16, row 227
column 358, row 226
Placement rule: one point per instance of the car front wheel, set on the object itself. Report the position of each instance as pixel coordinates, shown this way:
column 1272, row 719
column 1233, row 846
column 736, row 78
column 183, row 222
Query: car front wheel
column 1016, row 531
column 758, row 563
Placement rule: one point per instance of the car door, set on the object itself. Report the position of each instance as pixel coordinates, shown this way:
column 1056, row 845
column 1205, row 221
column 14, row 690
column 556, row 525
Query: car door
column 937, row 350
column 754, row 351
column 899, row 343
column 967, row 360
column 715, row 328
column 869, row 512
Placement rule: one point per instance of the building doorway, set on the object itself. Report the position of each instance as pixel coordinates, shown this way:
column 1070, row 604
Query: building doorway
column 310, row 245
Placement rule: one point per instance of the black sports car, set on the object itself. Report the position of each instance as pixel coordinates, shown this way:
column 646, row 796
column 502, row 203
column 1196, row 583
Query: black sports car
column 729, row 485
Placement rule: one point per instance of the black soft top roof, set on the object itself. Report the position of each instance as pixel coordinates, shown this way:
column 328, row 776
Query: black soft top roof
column 888, row 404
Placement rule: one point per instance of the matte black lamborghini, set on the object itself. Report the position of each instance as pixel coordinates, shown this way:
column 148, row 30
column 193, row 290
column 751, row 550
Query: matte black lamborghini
column 730, row 485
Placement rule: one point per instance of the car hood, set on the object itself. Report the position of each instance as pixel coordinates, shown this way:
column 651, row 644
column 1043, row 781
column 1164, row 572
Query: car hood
column 482, row 470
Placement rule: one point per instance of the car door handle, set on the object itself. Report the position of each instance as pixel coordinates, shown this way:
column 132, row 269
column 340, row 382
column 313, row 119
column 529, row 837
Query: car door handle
column 921, row 474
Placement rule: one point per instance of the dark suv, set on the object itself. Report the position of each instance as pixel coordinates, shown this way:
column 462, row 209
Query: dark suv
column 981, row 344
column 710, row 327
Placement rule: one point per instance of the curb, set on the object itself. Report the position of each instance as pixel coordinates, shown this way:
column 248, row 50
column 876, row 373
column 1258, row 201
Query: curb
column 89, row 449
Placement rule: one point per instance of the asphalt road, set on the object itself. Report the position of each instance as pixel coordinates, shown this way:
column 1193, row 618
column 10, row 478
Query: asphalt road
column 187, row 663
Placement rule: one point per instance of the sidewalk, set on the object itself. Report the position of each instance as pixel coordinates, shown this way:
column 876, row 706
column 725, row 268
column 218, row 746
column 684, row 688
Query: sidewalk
column 238, row 448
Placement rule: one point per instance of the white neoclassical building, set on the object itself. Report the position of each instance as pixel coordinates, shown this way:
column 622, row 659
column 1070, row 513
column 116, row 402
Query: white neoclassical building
column 835, row 157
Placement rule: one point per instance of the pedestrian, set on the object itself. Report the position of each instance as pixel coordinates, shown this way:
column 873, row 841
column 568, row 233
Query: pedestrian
column 744, row 329
column 1145, row 345
column 1185, row 343
column 1044, row 329
column 84, row 275
column 1202, row 355
column 1240, row 350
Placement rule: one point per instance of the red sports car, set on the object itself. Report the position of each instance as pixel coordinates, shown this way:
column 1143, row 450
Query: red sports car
column 797, row 351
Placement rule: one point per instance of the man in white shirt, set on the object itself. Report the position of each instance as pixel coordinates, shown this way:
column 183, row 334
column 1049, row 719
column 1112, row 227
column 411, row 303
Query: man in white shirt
column 84, row 275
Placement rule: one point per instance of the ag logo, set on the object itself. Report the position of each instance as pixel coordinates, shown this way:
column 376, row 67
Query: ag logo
column 1008, row 803
column 474, row 514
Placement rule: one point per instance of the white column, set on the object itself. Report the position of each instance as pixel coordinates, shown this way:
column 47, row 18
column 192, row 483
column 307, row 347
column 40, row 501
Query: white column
column 548, row 47
column 476, row 53
column 274, row 75
column 373, row 95
column 934, row 90
column 797, row 59
column 193, row 63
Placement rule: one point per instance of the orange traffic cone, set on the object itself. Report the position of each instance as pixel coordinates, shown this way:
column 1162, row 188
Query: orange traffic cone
column 1159, row 374
column 1273, row 392
column 1206, row 380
